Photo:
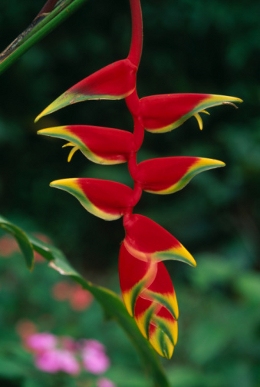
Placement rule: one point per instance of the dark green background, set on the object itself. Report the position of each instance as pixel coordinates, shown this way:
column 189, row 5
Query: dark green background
column 189, row 46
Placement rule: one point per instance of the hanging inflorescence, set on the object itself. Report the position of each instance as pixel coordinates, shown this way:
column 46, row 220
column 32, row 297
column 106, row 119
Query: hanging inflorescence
column 146, row 286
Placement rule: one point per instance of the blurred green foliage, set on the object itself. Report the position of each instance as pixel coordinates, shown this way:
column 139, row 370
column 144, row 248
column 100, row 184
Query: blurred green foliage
column 189, row 46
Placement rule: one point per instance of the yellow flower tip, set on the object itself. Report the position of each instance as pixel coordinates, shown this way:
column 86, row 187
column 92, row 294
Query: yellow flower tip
column 54, row 131
column 205, row 112
column 42, row 114
column 199, row 120
column 73, row 150
column 224, row 99
column 186, row 256
column 65, row 184
column 68, row 144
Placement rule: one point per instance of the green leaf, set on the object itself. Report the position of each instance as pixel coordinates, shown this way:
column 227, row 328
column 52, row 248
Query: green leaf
column 22, row 240
column 10, row 368
column 110, row 301
column 40, row 26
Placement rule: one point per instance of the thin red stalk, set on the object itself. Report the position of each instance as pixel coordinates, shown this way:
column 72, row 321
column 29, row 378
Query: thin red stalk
column 136, row 46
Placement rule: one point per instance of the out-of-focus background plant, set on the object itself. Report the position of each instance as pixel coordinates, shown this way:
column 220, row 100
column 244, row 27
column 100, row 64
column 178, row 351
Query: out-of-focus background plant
column 190, row 46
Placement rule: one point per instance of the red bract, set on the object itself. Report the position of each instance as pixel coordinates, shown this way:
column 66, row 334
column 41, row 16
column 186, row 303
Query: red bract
column 115, row 81
column 170, row 174
column 163, row 113
column 99, row 144
column 150, row 298
column 146, row 286
column 103, row 198
column 145, row 239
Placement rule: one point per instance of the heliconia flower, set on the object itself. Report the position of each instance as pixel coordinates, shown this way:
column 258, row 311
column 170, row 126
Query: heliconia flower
column 150, row 298
column 165, row 112
column 99, row 144
column 170, row 174
column 105, row 199
column 147, row 240
column 115, row 81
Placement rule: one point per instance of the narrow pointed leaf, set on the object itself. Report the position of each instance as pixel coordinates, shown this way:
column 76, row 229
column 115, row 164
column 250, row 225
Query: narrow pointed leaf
column 149, row 296
column 170, row 174
column 147, row 240
column 105, row 199
column 115, row 81
column 163, row 113
column 99, row 144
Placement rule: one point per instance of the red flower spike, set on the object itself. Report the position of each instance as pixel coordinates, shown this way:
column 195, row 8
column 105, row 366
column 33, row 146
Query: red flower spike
column 170, row 174
column 105, row 199
column 115, row 81
column 163, row 113
column 146, row 286
column 150, row 299
column 147, row 240
column 99, row 144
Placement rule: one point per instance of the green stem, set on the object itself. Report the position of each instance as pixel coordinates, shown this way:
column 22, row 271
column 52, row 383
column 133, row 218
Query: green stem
column 36, row 31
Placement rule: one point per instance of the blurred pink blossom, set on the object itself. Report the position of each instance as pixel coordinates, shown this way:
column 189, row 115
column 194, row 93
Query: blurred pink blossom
column 41, row 341
column 56, row 360
column 54, row 354
column 104, row 382
column 94, row 357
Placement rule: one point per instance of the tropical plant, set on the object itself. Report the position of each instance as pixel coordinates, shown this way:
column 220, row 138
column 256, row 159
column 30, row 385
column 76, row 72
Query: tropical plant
column 147, row 290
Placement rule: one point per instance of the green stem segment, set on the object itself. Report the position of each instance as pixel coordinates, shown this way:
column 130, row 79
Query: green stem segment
column 36, row 31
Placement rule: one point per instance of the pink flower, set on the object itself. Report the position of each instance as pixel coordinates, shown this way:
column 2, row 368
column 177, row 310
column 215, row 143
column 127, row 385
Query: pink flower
column 104, row 382
column 94, row 357
column 56, row 360
column 41, row 341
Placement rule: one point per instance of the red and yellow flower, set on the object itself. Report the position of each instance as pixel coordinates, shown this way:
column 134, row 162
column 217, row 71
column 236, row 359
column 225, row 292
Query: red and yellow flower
column 147, row 289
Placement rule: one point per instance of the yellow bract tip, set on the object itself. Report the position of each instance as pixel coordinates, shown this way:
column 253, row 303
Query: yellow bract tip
column 65, row 183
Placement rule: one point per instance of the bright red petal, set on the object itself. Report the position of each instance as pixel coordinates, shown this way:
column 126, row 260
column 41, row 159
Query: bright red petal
column 103, row 198
column 115, row 81
column 163, row 113
column 99, row 144
column 170, row 174
column 147, row 240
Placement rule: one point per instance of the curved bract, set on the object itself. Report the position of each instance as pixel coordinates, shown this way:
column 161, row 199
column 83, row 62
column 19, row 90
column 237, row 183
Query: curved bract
column 170, row 174
column 163, row 113
column 146, row 286
column 99, row 144
column 115, row 81
column 103, row 198
column 147, row 240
